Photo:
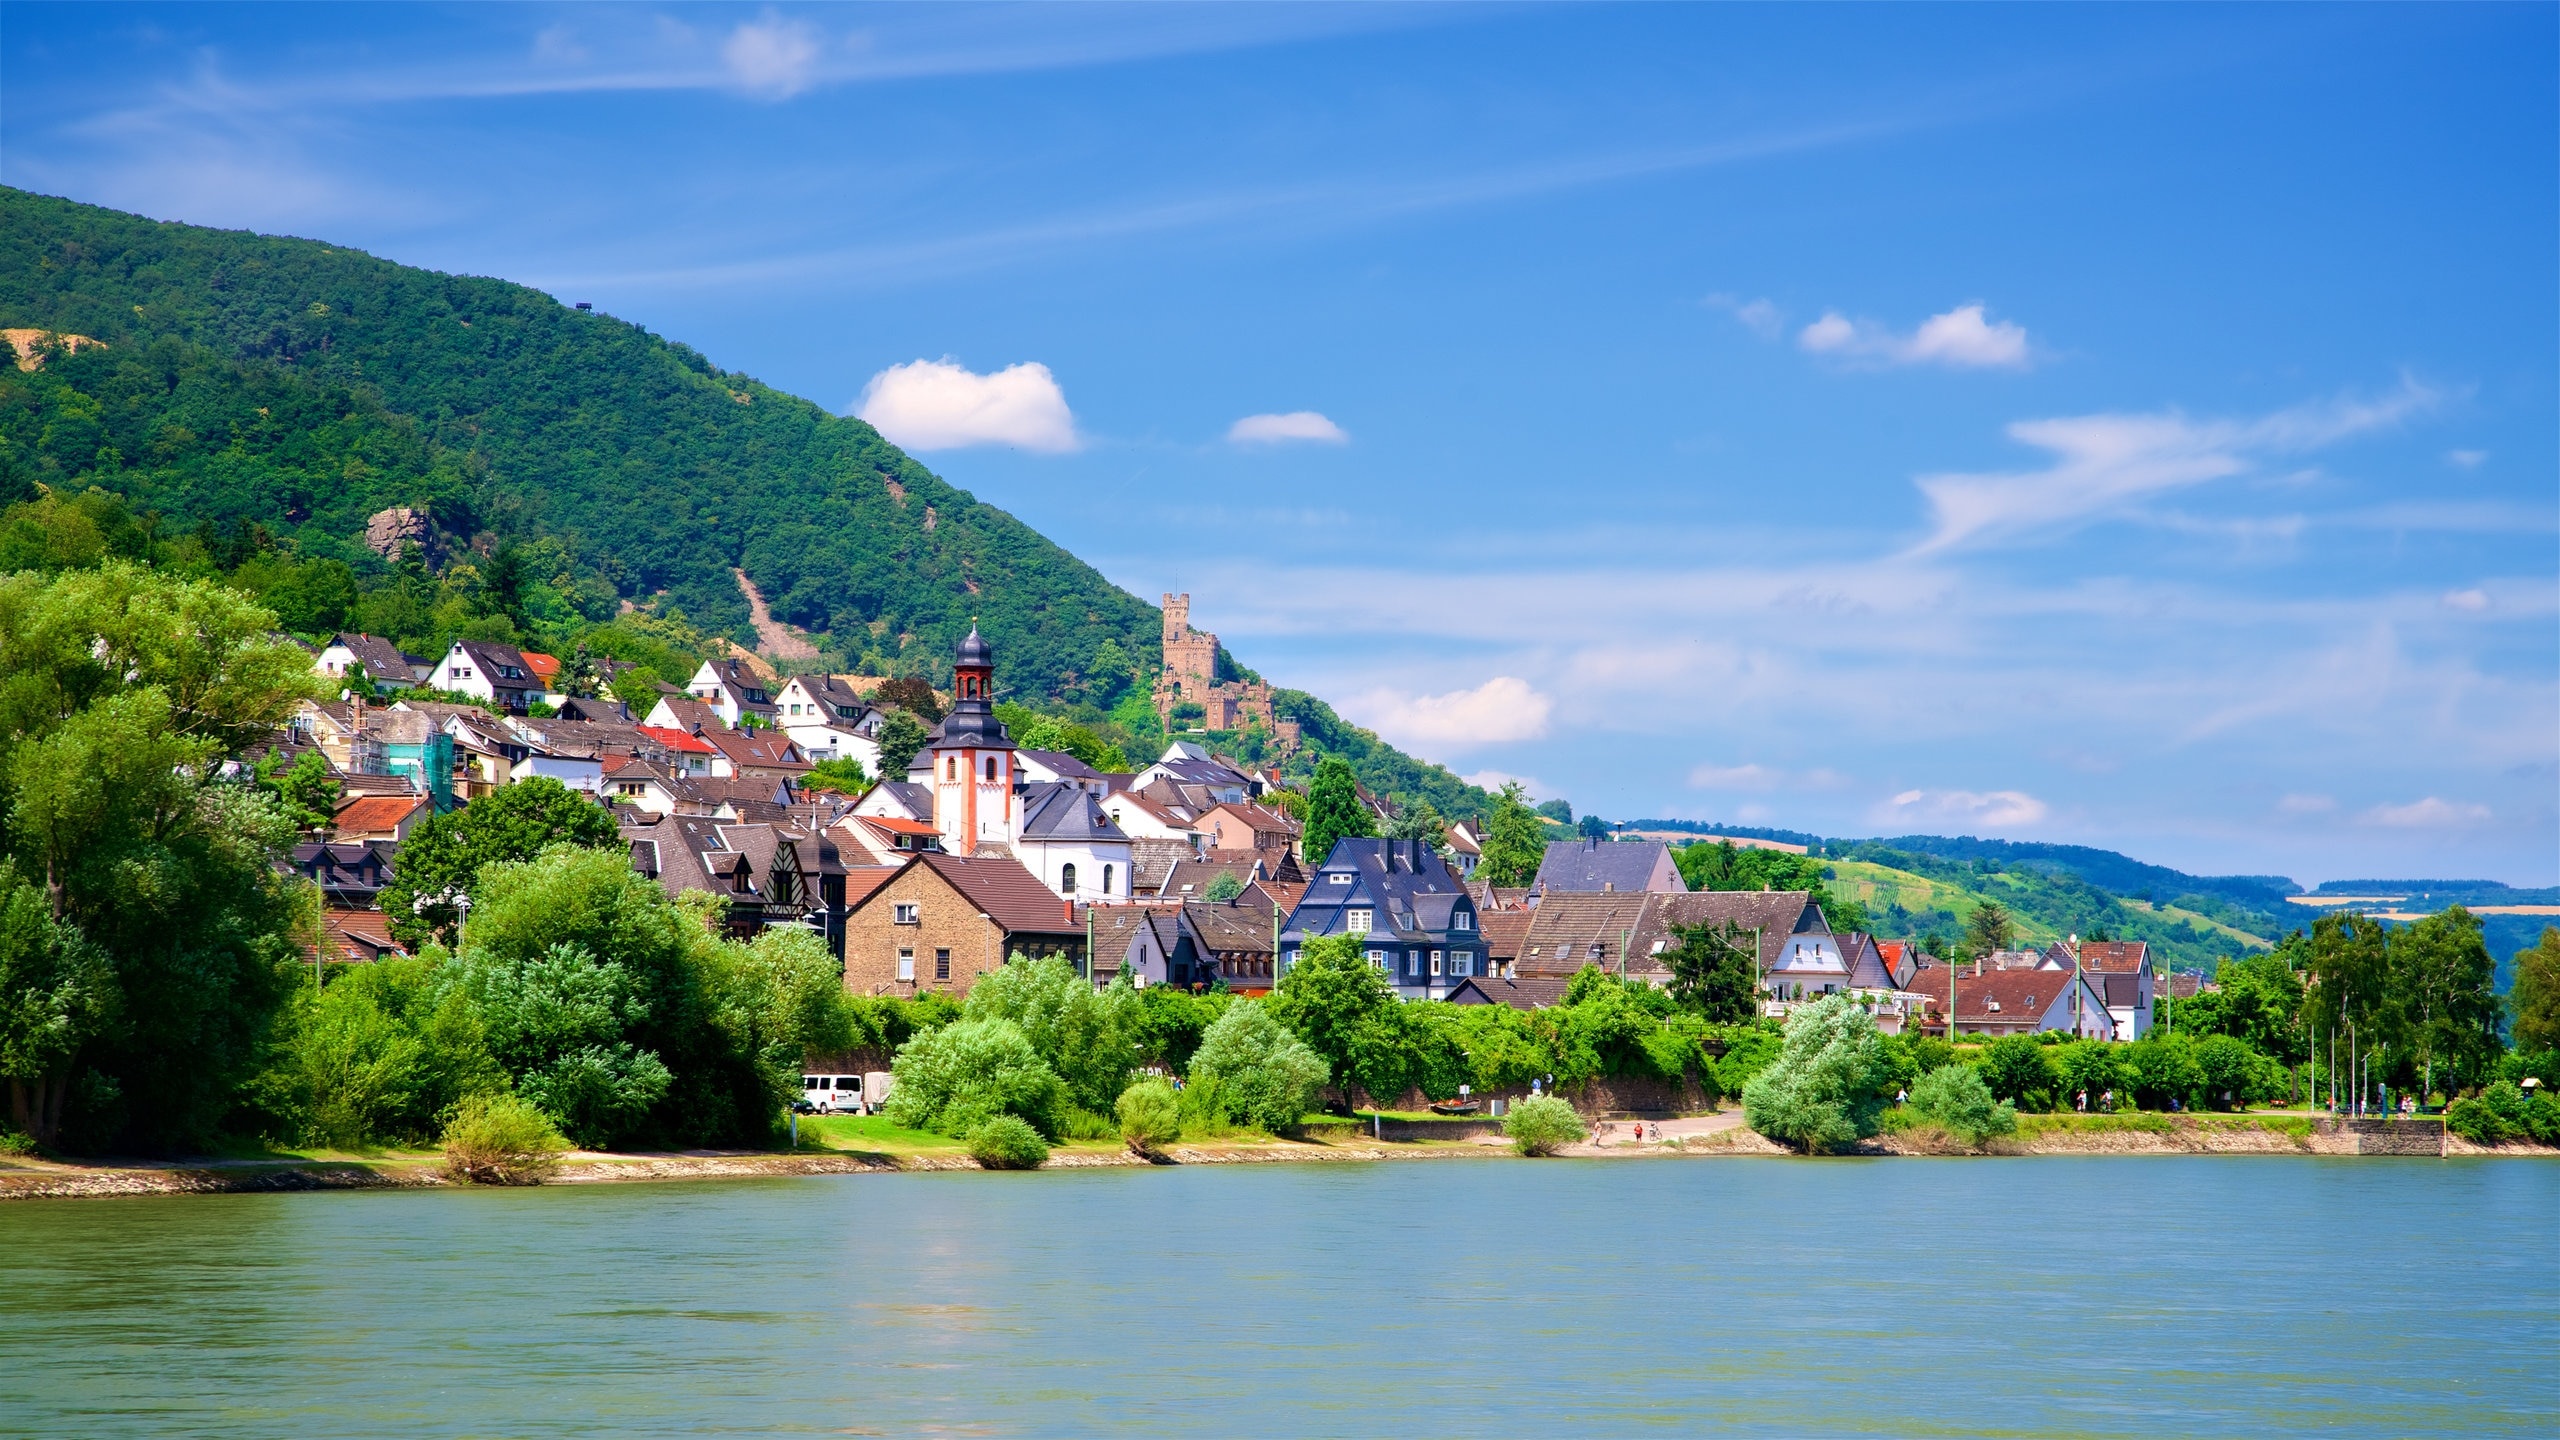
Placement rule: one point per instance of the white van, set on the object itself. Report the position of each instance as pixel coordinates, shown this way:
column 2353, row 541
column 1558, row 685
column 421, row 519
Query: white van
column 831, row 1094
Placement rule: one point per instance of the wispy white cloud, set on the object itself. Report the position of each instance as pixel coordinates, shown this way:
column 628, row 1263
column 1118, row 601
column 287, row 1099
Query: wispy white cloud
column 2431, row 813
column 2105, row 464
column 1761, row 317
column 2306, row 804
column 1965, row 338
column 2474, row 599
column 943, row 405
column 1502, row 709
column 1734, row 777
column 2466, row 459
column 1988, row 810
column 1295, row 427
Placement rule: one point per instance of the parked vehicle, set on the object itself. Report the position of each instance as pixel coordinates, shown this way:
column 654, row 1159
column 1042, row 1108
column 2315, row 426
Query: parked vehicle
column 831, row 1095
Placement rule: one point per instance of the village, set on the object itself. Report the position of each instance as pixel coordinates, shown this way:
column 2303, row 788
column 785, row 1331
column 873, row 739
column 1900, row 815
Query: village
column 1189, row 872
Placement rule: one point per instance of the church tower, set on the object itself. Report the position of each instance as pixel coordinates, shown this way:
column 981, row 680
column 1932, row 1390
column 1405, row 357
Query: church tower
column 973, row 773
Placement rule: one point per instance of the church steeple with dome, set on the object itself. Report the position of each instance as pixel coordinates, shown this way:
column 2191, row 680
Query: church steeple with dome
column 973, row 761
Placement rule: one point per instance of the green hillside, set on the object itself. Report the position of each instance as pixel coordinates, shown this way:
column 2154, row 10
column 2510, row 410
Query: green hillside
column 1911, row 894
column 256, row 398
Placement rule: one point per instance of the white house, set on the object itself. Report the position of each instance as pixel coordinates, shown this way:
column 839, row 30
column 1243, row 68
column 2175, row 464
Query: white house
column 829, row 721
column 1142, row 818
column 1057, row 767
column 382, row 661
column 487, row 671
column 1067, row 840
column 732, row 689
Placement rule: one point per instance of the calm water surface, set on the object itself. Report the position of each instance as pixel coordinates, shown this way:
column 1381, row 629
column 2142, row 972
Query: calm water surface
column 2030, row 1297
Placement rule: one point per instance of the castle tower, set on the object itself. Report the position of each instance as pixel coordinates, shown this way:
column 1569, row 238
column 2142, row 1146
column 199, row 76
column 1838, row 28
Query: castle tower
column 973, row 775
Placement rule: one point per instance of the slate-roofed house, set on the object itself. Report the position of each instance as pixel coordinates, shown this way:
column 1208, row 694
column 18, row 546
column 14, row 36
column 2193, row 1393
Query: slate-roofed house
column 829, row 720
column 1057, row 767
column 943, row 920
column 2013, row 1002
column 1572, row 929
column 1413, row 916
column 1608, row 866
column 770, row 874
column 732, row 689
column 1185, row 764
column 1070, row 843
column 1530, row 994
column 486, row 670
column 384, row 663
column 349, row 875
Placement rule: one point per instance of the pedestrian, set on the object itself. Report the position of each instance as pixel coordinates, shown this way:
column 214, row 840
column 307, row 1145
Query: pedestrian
column 2080, row 1102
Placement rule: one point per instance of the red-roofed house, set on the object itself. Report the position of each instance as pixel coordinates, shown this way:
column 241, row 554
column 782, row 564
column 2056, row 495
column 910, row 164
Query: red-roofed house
column 2013, row 1002
column 944, row 920
column 379, row 817
column 688, row 753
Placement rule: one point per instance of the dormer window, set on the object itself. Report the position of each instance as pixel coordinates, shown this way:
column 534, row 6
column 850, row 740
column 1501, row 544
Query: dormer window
column 1339, row 879
column 1356, row 922
column 1462, row 921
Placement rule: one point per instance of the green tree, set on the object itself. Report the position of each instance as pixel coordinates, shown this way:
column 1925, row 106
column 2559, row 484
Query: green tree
column 1334, row 811
column 2164, row 1069
column 2019, row 1069
column 2228, row 1073
column 1830, row 1082
column 1515, row 842
column 1955, row 1099
column 1330, row 993
column 2535, row 996
column 1263, row 1074
column 2444, row 988
column 57, row 993
column 1416, row 820
column 441, row 861
column 840, row 775
column 2094, row 1068
column 1150, row 1116
column 1715, row 970
column 2349, row 997
column 125, row 694
column 306, row 790
column 1987, row 929
column 1559, row 811
column 1223, row 887
column 902, row 736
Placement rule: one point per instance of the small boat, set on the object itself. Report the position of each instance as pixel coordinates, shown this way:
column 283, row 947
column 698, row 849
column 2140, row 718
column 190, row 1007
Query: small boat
column 1456, row 1107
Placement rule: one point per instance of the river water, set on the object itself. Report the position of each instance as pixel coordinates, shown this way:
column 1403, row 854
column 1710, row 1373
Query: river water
column 2048, row 1296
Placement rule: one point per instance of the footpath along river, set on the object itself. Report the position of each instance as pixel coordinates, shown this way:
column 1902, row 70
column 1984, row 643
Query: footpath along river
column 2049, row 1296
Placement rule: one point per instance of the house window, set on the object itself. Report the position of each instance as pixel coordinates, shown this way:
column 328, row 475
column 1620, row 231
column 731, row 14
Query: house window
column 906, row 964
column 941, row 964
column 1067, row 879
column 1462, row 962
column 1435, row 962
column 1413, row 963
column 1338, row 879
column 904, row 914
column 991, row 767
column 1378, row 958
column 950, row 768
column 1106, row 880
column 1356, row 922
column 1462, row 921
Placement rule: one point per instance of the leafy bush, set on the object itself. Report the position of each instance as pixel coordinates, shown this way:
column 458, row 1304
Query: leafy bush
column 1203, row 1104
column 1087, row 1037
column 1542, row 1125
column 16, row 1142
column 2094, row 1067
column 1150, row 1116
column 501, row 1140
column 1263, row 1074
column 1829, row 1083
column 1955, row 1099
column 2502, row 1112
column 1006, row 1143
column 955, row 1079
column 2164, row 1069
column 2021, row 1071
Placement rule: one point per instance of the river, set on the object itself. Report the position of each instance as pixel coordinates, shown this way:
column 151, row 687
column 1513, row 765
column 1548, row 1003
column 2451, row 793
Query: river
column 2047, row 1296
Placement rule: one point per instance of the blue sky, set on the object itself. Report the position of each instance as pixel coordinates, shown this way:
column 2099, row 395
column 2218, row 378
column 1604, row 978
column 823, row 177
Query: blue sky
column 2131, row 427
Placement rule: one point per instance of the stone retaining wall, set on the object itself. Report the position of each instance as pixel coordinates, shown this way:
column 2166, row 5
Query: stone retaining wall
column 2410, row 1136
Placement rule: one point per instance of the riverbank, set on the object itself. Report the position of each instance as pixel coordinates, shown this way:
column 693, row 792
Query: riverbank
column 874, row 1150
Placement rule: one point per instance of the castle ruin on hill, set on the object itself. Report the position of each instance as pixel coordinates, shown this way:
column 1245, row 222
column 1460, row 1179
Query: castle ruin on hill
column 1191, row 674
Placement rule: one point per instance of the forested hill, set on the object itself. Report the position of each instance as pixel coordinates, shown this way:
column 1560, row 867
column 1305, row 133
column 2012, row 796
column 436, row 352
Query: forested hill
column 526, row 416
column 276, row 392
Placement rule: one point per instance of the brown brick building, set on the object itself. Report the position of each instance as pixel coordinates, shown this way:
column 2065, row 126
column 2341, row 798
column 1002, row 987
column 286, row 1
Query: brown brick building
column 940, row 921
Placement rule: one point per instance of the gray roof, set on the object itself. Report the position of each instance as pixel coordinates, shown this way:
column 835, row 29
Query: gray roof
column 380, row 658
column 1057, row 810
column 1602, row 865
column 1062, row 764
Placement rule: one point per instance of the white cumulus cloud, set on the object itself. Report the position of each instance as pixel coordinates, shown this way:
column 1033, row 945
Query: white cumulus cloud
column 2428, row 814
column 1991, row 810
column 1965, row 338
column 942, row 405
column 2107, row 463
column 1296, row 427
column 1504, row 708
column 2467, row 459
column 2473, row 599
